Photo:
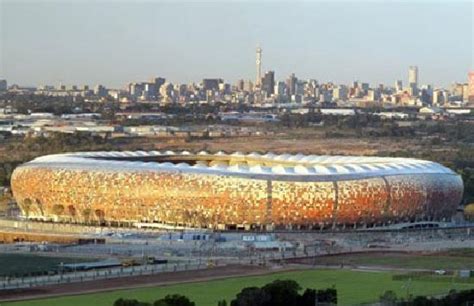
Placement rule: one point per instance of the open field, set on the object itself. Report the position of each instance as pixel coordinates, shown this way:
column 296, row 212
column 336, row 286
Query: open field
column 354, row 287
column 23, row 264
column 305, row 141
column 283, row 140
column 399, row 260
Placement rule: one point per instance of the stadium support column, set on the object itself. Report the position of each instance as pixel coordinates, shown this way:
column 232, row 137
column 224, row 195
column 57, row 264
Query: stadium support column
column 334, row 209
column 388, row 204
column 268, row 216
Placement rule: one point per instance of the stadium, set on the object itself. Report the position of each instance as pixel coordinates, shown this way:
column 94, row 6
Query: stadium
column 234, row 191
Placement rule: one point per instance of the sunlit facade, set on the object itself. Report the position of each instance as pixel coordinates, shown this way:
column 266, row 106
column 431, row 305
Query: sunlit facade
column 234, row 191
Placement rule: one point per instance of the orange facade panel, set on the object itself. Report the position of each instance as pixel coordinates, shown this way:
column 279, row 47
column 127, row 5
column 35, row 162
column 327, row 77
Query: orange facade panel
column 216, row 201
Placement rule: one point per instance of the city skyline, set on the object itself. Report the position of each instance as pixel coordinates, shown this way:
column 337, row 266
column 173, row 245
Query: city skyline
column 106, row 50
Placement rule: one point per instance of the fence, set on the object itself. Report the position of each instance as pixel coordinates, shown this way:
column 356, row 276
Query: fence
column 83, row 276
column 150, row 269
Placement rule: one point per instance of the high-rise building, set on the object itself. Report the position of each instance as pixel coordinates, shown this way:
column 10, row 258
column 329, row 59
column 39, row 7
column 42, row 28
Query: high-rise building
column 3, row 85
column 300, row 86
column 248, row 86
column 291, row 85
column 310, row 88
column 268, row 82
column 413, row 75
column 149, row 90
column 398, row 86
column 280, row 89
column 135, row 89
column 457, row 89
column 240, row 85
column 465, row 92
column 340, row 93
column 373, row 95
column 158, row 82
column 413, row 89
column 211, row 84
column 364, row 87
column 426, row 95
column 258, row 62
column 440, row 97
column 224, row 88
column 166, row 90
column 471, row 87
column 100, row 91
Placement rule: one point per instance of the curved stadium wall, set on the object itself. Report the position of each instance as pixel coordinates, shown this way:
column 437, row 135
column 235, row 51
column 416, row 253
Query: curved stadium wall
column 234, row 191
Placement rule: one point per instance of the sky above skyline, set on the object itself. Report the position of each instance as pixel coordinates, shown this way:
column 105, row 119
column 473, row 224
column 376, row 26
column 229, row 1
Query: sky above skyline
column 117, row 42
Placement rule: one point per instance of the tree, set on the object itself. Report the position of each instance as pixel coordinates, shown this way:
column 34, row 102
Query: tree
column 251, row 296
column 282, row 293
column 328, row 295
column 422, row 301
column 174, row 300
column 125, row 302
column 469, row 211
column 389, row 298
column 308, row 298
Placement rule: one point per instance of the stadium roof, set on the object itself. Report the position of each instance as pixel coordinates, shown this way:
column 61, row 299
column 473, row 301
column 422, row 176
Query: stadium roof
column 253, row 165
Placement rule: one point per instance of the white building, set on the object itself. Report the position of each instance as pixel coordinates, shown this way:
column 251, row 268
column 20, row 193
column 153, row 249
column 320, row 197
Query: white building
column 413, row 75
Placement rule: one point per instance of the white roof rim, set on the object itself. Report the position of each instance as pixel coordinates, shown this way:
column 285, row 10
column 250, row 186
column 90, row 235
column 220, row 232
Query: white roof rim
column 304, row 166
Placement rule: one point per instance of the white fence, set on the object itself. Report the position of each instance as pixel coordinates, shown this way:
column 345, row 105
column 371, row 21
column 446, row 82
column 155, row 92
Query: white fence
column 83, row 276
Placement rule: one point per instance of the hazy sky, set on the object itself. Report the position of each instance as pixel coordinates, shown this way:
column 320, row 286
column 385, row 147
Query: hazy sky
column 115, row 42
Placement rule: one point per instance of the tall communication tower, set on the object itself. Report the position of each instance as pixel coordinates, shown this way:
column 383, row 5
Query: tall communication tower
column 258, row 61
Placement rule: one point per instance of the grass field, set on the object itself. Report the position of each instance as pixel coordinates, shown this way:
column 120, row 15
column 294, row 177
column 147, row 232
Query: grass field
column 408, row 261
column 19, row 264
column 353, row 287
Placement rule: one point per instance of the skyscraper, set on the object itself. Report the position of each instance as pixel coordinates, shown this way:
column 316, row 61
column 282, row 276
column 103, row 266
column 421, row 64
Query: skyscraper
column 258, row 61
column 413, row 75
column 471, row 87
column 3, row 85
column 135, row 89
column 248, row 86
column 399, row 86
column 280, row 89
column 268, row 82
column 291, row 84
column 413, row 80
column 211, row 84
column 158, row 82
column 240, row 85
column 100, row 90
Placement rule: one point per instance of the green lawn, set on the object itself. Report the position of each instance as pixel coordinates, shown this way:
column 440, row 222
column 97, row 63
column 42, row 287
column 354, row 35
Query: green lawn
column 353, row 288
column 18, row 264
column 433, row 262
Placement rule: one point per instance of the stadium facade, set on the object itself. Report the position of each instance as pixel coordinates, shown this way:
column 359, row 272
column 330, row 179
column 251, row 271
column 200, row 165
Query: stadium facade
column 234, row 191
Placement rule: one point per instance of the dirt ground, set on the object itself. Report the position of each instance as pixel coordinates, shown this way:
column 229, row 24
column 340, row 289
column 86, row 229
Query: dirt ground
column 313, row 144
